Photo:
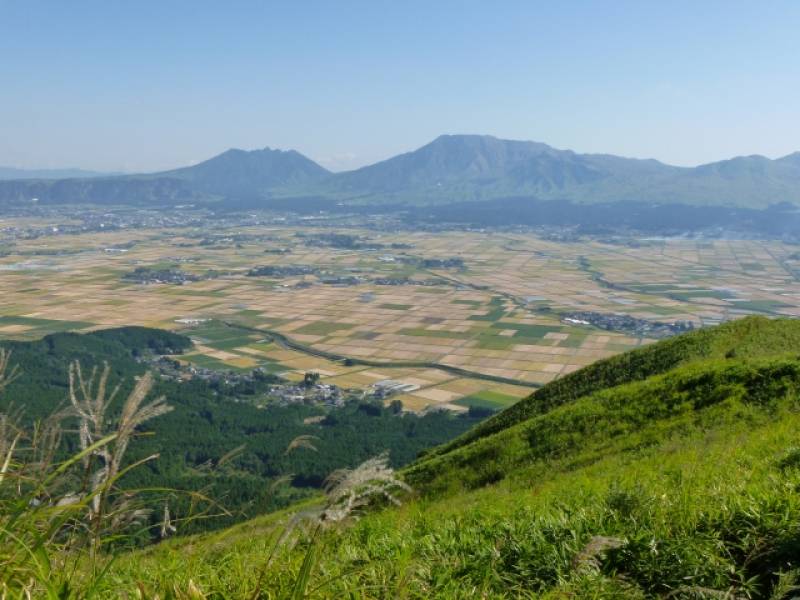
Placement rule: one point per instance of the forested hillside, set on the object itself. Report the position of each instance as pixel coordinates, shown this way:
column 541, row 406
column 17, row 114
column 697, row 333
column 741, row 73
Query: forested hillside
column 211, row 419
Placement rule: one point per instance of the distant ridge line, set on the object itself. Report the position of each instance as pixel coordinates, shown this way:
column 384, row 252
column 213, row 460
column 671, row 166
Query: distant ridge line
column 449, row 169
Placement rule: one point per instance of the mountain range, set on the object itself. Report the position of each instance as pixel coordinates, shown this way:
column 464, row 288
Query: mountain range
column 15, row 173
column 450, row 169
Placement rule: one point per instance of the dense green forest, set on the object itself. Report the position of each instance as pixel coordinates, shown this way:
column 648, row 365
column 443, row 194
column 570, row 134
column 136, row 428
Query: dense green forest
column 212, row 419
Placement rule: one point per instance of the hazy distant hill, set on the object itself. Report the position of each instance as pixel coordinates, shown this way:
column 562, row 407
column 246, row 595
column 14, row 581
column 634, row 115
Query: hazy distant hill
column 450, row 169
column 13, row 173
column 235, row 173
column 471, row 167
column 253, row 173
column 123, row 190
column 475, row 167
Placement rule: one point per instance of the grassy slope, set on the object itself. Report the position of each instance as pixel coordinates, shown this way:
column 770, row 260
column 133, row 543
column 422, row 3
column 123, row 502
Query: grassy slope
column 694, row 472
column 750, row 337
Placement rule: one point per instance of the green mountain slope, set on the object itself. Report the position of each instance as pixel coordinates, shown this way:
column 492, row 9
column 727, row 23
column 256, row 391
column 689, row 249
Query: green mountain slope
column 671, row 473
column 746, row 338
column 614, row 419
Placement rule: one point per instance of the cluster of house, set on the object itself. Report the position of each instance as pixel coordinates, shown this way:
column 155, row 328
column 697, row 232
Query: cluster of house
column 627, row 324
column 147, row 275
column 389, row 387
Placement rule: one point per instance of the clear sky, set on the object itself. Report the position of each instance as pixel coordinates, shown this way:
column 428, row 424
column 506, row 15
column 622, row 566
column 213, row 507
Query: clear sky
column 147, row 85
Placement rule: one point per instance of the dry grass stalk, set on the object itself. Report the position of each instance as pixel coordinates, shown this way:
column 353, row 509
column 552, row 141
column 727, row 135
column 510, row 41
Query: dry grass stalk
column 7, row 375
column 91, row 400
column 167, row 528
column 348, row 490
column 589, row 557
column 46, row 526
column 302, row 441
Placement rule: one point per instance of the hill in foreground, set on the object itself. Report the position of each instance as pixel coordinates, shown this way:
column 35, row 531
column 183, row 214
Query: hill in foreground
column 670, row 472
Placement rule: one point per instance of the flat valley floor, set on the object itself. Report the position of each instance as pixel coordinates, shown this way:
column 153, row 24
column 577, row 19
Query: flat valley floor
column 500, row 314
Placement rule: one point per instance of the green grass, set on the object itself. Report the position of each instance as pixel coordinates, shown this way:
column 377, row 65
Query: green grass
column 232, row 343
column 709, row 507
column 490, row 340
column 43, row 326
column 220, row 336
column 487, row 399
column 472, row 303
column 620, row 418
column 496, row 311
column 753, row 336
column 209, row 362
column 214, row 330
column 573, row 341
column 524, row 334
column 436, row 333
column 763, row 306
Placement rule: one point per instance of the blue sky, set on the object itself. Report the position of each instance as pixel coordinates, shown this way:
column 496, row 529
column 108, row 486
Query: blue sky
column 145, row 85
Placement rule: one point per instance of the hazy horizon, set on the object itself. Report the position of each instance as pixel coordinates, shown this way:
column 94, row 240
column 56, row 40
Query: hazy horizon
column 149, row 87
column 343, row 169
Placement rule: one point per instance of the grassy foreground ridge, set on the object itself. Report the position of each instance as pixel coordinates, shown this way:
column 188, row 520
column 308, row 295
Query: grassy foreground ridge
column 672, row 471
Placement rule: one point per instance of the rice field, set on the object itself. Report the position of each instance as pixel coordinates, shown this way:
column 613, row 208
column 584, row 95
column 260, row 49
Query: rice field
column 499, row 315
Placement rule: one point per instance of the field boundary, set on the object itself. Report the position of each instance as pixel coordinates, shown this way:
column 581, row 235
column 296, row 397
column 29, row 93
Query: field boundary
column 290, row 344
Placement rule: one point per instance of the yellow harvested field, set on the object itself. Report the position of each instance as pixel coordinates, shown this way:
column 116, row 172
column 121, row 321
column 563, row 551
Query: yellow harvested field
column 503, row 315
column 437, row 395
column 14, row 328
